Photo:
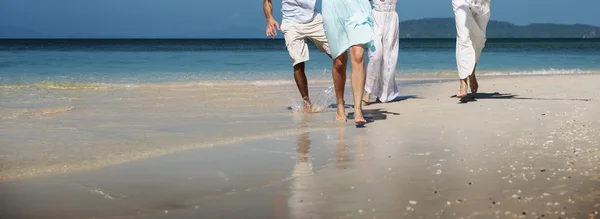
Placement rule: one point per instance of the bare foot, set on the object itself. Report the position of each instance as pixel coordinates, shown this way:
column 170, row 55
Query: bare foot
column 473, row 83
column 341, row 116
column 359, row 119
column 463, row 88
column 307, row 106
column 366, row 99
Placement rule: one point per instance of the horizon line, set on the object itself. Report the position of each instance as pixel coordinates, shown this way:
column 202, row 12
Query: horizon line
column 264, row 38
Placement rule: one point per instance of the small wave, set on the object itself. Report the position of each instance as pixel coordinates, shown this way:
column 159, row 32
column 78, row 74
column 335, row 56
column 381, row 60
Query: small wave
column 550, row 71
column 82, row 86
column 56, row 85
column 271, row 82
column 454, row 73
column 207, row 84
column 68, row 85
column 85, row 86
column 33, row 113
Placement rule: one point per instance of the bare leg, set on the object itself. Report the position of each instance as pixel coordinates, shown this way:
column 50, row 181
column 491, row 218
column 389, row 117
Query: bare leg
column 302, row 84
column 358, row 80
column 338, row 72
column 473, row 81
column 463, row 88
column 367, row 97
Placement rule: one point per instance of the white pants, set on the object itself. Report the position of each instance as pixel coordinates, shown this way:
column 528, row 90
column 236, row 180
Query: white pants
column 470, row 36
column 381, row 80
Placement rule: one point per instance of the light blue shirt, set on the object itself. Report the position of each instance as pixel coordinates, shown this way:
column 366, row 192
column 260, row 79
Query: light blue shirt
column 298, row 11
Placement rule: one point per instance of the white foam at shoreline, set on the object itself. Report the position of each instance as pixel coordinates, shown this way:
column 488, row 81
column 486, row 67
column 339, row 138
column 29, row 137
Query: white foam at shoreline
column 59, row 85
column 550, row 71
column 271, row 82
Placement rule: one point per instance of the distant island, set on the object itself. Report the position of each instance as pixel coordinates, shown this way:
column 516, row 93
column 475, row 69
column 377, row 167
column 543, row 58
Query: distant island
column 421, row 28
column 445, row 28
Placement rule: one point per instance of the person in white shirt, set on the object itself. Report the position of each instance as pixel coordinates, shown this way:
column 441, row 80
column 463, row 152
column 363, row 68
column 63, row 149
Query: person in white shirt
column 300, row 22
column 471, row 18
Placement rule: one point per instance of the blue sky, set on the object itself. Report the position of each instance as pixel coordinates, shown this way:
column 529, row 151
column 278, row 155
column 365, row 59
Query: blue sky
column 236, row 18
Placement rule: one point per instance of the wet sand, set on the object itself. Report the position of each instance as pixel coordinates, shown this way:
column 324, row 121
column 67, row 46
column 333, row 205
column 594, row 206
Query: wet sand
column 525, row 147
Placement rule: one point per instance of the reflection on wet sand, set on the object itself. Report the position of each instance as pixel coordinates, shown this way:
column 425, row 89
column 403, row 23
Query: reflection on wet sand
column 361, row 145
column 122, row 124
column 342, row 153
column 303, row 199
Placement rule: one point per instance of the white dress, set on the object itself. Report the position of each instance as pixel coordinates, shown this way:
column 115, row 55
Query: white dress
column 347, row 23
column 471, row 18
column 381, row 80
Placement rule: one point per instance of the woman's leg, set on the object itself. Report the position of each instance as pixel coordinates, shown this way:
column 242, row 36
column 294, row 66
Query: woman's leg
column 338, row 72
column 480, row 22
column 465, row 53
column 473, row 81
column 357, row 57
column 391, row 43
column 374, row 68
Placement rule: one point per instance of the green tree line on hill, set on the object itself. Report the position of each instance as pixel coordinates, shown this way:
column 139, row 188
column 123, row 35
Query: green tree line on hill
column 445, row 28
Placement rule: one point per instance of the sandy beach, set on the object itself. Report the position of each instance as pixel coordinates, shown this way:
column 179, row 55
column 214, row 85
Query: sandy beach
column 524, row 147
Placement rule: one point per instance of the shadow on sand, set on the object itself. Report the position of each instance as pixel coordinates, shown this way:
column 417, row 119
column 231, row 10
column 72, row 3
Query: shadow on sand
column 397, row 99
column 372, row 115
column 500, row 96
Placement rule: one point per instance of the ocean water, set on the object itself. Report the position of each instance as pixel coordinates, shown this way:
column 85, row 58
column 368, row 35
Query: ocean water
column 68, row 105
column 132, row 61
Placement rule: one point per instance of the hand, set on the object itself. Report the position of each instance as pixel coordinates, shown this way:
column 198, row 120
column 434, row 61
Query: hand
column 272, row 27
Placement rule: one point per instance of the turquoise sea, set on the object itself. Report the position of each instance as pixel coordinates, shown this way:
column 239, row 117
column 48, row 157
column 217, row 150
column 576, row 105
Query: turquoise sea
column 131, row 61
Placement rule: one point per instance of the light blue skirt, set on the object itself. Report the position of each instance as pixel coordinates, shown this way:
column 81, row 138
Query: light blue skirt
column 347, row 23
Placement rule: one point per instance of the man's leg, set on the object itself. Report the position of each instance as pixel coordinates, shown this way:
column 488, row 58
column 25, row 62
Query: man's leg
column 302, row 83
column 298, row 50
column 338, row 72
column 316, row 33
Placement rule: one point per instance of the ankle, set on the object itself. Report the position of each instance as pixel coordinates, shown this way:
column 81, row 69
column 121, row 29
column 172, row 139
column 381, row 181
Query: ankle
column 358, row 110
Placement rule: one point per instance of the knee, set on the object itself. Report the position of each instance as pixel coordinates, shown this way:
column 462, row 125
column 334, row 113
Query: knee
column 358, row 55
column 299, row 68
column 338, row 63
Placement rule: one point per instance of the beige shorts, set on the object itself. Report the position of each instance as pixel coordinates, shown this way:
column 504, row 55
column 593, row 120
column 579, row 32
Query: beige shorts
column 296, row 35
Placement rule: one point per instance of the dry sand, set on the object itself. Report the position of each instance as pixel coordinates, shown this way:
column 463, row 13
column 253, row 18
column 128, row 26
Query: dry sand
column 525, row 147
